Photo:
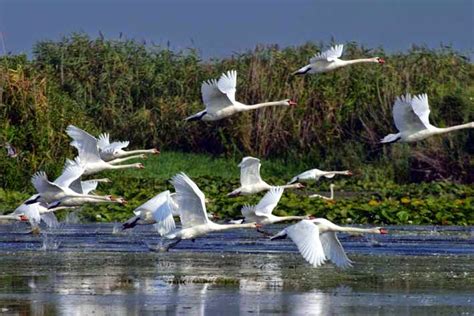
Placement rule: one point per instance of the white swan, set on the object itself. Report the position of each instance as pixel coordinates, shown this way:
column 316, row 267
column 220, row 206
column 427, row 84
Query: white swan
column 329, row 60
column 250, row 180
column 192, row 213
column 317, row 241
column 411, row 116
column 89, row 155
column 219, row 99
column 262, row 212
column 148, row 212
column 59, row 193
column 315, row 174
column 111, row 151
column 330, row 198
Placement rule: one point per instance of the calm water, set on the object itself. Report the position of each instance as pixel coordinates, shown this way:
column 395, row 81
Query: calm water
column 87, row 269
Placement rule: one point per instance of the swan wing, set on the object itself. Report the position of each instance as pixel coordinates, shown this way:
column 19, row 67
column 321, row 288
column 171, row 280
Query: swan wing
column 103, row 141
column 227, row 84
column 76, row 186
column 250, row 171
column 31, row 211
column 163, row 215
column 268, row 202
column 174, row 204
column 71, row 172
column 85, row 143
column 50, row 219
column 214, row 99
column 152, row 204
column 88, row 186
column 42, row 184
column 333, row 250
column 405, row 117
column 420, row 106
column 306, row 237
column 329, row 55
column 116, row 146
column 191, row 201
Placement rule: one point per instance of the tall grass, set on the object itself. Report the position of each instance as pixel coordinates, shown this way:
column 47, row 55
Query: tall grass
column 142, row 93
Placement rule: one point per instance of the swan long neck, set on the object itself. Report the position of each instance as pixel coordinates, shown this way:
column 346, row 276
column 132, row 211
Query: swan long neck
column 119, row 160
column 358, row 61
column 356, row 230
column 264, row 104
column 133, row 165
column 442, row 130
column 234, row 226
column 140, row 151
column 290, row 186
column 291, row 218
column 9, row 217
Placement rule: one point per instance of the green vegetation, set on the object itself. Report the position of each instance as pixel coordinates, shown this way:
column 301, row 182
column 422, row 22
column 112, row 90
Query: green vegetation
column 142, row 93
column 362, row 198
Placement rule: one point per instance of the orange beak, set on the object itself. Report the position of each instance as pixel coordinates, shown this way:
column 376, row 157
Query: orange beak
column 383, row 231
column 381, row 61
column 292, row 103
column 23, row 218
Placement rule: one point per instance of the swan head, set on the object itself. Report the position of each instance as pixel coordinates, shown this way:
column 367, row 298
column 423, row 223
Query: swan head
column 379, row 60
column 349, row 173
column 120, row 200
column 290, row 102
column 155, row 151
column 23, row 218
column 382, row 231
column 299, row 185
column 140, row 166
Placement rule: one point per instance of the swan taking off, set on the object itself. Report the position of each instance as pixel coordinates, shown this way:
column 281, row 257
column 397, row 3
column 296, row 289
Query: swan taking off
column 89, row 155
column 329, row 60
column 219, row 98
column 192, row 213
column 317, row 241
column 411, row 117
column 112, row 151
column 315, row 174
column 262, row 212
column 250, row 180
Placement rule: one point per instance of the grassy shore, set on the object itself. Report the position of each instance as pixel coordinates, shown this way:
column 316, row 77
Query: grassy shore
column 363, row 198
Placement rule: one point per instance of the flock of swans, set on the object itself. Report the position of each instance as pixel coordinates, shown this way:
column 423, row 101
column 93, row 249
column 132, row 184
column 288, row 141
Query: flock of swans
column 315, row 238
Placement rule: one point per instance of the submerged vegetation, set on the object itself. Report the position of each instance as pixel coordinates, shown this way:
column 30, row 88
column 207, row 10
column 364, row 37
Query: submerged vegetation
column 142, row 93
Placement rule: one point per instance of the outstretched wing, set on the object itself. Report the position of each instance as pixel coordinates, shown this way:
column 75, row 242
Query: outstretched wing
column 85, row 143
column 333, row 250
column 405, row 117
column 41, row 183
column 88, row 186
column 250, row 171
column 152, row 204
column 329, row 55
column 103, row 141
column 420, row 106
column 163, row 214
column 213, row 97
column 72, row 171
column 306, row 237
column 191, row 201
column 227, row 84
column 269, row 202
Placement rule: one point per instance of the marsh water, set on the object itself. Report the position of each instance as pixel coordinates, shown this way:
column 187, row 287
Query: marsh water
column 96, row 269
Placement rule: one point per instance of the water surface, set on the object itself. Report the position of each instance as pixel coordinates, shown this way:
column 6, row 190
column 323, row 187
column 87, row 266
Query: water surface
column 85, row 269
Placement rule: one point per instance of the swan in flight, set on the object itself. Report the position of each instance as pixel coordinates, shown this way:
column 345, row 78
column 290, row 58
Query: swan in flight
column 192, row 213
column 219, row 98
column 315, row 174
column 151, row 212
column 262, row 212
column 89, row 155
column 317, row 241
column 250, row 180
column 329, row 60
column 330, row 198
column 411, row 116
column 112, row 151
column 59, row 193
